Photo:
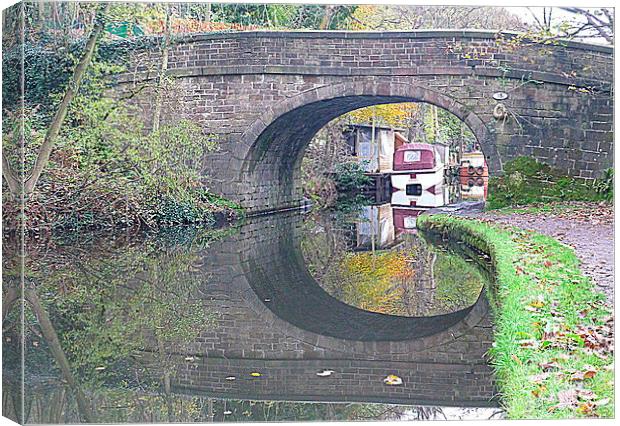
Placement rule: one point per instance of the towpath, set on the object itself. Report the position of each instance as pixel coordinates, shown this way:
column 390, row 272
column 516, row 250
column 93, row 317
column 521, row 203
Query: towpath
column 587, row 227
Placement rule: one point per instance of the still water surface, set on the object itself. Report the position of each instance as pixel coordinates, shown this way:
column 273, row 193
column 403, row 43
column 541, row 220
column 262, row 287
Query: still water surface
column 282, row 318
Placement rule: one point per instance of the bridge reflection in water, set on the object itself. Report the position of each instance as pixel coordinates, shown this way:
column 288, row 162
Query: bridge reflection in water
column 277, row 320
column 272, row 325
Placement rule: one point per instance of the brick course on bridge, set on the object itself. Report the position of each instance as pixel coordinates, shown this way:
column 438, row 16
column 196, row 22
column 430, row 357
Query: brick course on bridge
column 265, row 94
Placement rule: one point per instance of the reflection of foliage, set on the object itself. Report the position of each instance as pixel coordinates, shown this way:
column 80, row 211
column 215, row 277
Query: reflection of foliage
column 131, row 406
column 119, row 300
column 458, row 283
column 120, row 305
column 372, row 281
column 350, row 206
column 416, row 279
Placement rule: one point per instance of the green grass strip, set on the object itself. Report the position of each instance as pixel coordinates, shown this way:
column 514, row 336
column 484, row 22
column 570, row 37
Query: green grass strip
column 552, row 329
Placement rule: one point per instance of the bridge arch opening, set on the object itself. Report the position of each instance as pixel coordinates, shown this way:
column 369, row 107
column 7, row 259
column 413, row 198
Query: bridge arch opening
column 273, row 147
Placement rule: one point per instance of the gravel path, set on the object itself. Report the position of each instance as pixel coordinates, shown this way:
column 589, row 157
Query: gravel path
column 587, row 227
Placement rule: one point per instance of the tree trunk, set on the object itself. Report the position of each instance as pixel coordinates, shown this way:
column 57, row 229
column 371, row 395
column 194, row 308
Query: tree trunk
column 12, row 295
column 12, row 181
column 162, row 73
column 73, row 87
column 327, row 17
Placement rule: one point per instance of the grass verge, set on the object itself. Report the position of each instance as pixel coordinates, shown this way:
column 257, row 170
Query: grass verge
column 553, row 349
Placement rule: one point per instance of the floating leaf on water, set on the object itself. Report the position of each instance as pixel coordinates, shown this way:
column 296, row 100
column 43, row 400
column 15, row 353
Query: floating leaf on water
column 325, row 373
column 255, row 374
column 393, row 380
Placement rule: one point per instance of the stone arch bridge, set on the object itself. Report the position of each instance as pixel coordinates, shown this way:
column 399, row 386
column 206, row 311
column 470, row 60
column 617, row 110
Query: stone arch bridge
column 265, row 94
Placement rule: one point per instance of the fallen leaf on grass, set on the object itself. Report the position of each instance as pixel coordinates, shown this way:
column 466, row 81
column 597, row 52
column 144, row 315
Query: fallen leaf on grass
column 539, row 390
column 539, row 378
column 586, row 394
column 567, row 399
column 538, row 303
column 587, row 373
column 528, row 343
column 548, row 365
column 586, row 408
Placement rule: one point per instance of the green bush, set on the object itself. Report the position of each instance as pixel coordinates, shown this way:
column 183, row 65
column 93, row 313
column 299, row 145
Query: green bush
column 604, row 186
column 107, row 170
column 350, row 176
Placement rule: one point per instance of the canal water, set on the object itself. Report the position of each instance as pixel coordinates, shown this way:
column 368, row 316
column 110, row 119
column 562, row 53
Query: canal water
column 346, row 315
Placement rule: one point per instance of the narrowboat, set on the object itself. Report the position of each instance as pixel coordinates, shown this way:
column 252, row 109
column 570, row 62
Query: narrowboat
column 415, row 195
column 418, row 175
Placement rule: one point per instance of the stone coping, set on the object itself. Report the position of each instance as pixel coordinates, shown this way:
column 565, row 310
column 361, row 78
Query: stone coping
column 482, row 71
column 414, row 34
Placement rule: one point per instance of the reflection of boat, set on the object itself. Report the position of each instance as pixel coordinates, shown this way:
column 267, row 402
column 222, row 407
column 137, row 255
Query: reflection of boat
column 473, row 176
column 405, row 219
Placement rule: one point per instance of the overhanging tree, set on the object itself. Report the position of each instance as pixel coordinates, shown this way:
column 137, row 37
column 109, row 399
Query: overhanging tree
column 15, row 180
